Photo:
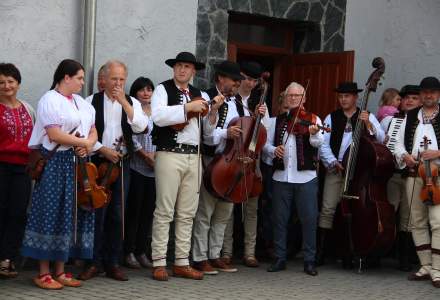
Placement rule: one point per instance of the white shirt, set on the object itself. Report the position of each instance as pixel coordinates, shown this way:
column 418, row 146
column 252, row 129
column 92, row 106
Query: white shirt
column 166, row 115
column 112, row 121
column 57, row 110
column 291, row 173
column 421, row 131
column 218, row 136
column 325, row 152
column 265, row 156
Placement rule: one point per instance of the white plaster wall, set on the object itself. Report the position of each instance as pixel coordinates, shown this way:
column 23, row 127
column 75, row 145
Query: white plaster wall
column 406, row 33
column 37, row 35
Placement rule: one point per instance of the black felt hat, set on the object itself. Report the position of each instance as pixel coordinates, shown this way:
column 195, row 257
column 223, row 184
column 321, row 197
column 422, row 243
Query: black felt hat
column 229, row 69
column 348, row 87
column 251, row 69
column 409, row 89
column 185, row 57
column 430, row 83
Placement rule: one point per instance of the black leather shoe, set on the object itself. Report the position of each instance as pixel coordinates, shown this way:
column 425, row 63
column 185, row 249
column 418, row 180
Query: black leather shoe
column 309, row 268
column 278, row 265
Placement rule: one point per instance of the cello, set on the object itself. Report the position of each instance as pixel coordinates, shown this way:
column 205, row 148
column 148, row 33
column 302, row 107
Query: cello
column 365, row 221
column 232, row 175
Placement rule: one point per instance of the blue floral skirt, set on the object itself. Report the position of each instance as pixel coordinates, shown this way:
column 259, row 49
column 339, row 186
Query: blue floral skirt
column 50, row 228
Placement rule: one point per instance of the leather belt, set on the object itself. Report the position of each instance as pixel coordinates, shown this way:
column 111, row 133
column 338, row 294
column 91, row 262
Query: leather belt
column 180, row 148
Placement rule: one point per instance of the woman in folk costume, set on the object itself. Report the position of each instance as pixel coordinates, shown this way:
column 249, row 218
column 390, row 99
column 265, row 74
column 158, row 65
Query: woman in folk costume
column 54, row 232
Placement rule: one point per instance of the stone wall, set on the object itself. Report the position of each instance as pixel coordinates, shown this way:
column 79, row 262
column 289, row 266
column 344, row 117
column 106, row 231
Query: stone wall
column 212, row 25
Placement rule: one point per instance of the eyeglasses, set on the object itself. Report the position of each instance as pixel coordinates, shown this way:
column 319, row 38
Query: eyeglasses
column 293, row 95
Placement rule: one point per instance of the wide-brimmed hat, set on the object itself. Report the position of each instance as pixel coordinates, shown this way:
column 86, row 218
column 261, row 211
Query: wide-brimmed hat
column 430, row 83
column 229, row 69
column 409, row 89
column 185, row 57
column 251, row 69
column 348, row 87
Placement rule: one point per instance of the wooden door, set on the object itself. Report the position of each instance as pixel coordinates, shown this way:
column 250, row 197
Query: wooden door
column 324, row 70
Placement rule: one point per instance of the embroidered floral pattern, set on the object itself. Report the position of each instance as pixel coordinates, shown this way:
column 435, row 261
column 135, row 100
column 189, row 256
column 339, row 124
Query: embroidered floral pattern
column 17, row 122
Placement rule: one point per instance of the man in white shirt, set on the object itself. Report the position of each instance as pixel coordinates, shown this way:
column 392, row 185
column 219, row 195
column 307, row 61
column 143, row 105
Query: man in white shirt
column 294, row 179
column 251, row 73
column 213, row 213
column 117, row 116
column 342, row 122
column 396, row 186
column 423, row 125
column 177, row 165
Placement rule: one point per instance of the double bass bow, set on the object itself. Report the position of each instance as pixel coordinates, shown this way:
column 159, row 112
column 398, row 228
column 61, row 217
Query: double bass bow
column 365, row 221
column 232, row 175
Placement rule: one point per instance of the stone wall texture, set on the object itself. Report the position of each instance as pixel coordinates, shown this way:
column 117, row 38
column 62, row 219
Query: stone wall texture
column 212, row 25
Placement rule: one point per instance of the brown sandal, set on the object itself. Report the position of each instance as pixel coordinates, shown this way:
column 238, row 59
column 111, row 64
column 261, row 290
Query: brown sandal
column 45, row 281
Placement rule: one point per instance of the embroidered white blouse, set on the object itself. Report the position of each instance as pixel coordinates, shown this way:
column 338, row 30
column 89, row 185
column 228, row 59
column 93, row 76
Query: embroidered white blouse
column 54, row 109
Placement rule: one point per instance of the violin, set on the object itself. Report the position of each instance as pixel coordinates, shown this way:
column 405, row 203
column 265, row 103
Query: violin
column 90, row 194
column 108, row 171
column 304, row 119
column 190, row 115
column 428, row 171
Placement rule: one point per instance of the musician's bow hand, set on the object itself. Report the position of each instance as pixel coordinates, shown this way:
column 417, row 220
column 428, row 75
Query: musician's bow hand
column 217, row 102
column 197, row 106
column 430, row 154
column 110, row 154
column 261, row 109
column 233, row 132
column 409, row 160
column 279, row 151
column 81, row 151
column 313, row 129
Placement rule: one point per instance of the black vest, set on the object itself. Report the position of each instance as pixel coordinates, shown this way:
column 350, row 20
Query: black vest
column 412, row 121
column 222, row 113
column 306, row 154
column 127, row 132
column 166, row 136
column 339, row 120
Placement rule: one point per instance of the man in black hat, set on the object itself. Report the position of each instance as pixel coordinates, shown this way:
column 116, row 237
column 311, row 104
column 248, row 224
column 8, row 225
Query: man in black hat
column 396, row 186
column 419, row 124
column 251, row 72
column 213, row 213
column 177, row 165
column 342, row 122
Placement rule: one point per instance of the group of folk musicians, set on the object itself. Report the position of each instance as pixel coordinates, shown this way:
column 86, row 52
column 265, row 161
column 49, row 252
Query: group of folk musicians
column 162, row 141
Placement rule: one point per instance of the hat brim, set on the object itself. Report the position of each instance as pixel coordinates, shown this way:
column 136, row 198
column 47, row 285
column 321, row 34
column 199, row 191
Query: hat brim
column 348, row 91
column 402, row 95
column 197, row 65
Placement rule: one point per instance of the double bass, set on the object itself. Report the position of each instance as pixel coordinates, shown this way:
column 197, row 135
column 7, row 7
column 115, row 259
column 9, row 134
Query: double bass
column 365, row 221
column 232, row 175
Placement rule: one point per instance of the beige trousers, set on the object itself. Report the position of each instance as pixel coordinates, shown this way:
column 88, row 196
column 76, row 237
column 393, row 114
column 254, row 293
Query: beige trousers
column 176, row 199
column 396, row 195
column 330, row 199
column 423, row 219
column 250, row 209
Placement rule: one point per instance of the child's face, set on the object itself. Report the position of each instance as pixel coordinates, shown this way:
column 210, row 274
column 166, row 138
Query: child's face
column 396, row 101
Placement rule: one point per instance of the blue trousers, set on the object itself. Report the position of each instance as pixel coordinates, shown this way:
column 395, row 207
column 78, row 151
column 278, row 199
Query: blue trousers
column 304, row 197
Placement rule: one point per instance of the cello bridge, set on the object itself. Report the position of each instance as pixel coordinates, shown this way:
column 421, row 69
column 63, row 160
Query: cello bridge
column 245, row 159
